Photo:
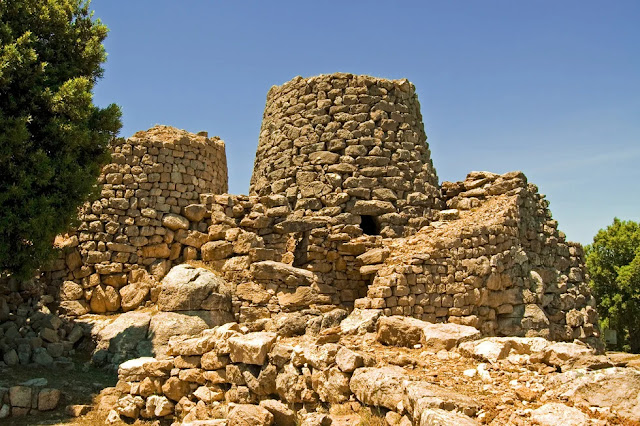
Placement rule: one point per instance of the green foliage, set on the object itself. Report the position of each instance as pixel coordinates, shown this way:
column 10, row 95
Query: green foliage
column 53, row 140
column 613, row 261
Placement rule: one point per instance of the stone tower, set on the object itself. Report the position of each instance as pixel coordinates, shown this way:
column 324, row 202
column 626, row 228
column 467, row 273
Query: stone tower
column 344, row 143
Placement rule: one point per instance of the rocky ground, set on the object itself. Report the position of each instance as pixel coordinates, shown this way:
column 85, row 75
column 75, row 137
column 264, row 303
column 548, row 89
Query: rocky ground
column 405, row 372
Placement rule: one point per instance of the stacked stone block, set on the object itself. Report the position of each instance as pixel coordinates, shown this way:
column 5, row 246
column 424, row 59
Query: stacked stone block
column 347, row 143
column 147, row 218
column 499, row 264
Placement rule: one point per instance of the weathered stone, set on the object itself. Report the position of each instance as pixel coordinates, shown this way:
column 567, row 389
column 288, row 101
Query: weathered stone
column 164, row 325
column 195, row 212
column 379, row 386
column 300, row 298
column 438, row 417
column 360, row 321
column 554, row 413
column 20, row 396
column 133, row 295
column 48, row 399
column 282, row 415
column 420, row 396
column 400, row 331
column 615, row 388
column 185, row 288
column 175, row 222
column 332, row 385
column 377, row 255
column 372, row 207
column 174, row 388
column 129, row 406
column 348, row 360
column 251, row 348
column 270, row 270
column 71, row 291
column 447, row 335
column 249, row 415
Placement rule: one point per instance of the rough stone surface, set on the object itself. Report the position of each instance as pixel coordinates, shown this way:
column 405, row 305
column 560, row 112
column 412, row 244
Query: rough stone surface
column 249, row 415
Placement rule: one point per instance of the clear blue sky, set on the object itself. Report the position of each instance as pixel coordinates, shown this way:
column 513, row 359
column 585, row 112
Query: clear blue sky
column 548, row 87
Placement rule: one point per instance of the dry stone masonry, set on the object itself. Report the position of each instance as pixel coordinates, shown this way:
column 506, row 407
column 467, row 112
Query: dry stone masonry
column 345, row 210
column 345, row 275
column 345, row 143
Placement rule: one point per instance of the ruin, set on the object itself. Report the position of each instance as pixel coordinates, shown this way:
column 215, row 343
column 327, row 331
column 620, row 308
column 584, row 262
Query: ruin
column 344, row 210
column 348, row 278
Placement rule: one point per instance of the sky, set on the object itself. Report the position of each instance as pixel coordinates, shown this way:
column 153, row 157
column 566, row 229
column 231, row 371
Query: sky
column 548, row 87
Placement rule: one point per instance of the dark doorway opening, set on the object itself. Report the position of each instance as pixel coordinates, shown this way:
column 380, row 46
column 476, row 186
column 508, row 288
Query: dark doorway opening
column 369, row 225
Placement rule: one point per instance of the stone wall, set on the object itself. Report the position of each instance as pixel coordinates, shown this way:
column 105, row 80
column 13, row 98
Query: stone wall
column 498, row 263
column 346, row 143
column 146, row 219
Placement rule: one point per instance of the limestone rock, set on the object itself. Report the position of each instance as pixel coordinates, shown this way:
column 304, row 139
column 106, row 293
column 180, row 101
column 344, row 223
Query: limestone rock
column 554, row 413
column 195, row 212
column 420, row 396
column 316, row 419
column 270, row 270
column 616, row 388
column 447, row 335
column 175, row 222
column 302, row 297
column 129, row 406
column 348, row 360
column 185, row 288
column 439, row 417
column 282, row 415
column 400, row 331
column 20, row 396
column 132, row 296
column 249, row 415
column 175, row 389
column 165, row 325
column 71, row 291
column 360, row 321
column 48, row 399
column 379, row 386
column 134, row 369
column 123, row 335
column 332, row 385
column 251, row 348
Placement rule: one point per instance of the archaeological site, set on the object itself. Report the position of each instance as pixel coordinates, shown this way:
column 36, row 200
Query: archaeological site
column 349, row 287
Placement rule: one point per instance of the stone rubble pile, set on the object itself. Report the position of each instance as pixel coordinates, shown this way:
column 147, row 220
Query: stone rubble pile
column 29, row 333
column 230, row 375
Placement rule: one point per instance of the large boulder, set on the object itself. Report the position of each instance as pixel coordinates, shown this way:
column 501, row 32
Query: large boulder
column 447, row 335
column 290, row 275
column 555, row 413
column 408, row 332
column 615, row 388
column 164, row 325
column 400, row 331
column 249, row 415
column 251, row 348
column 187, row 288
column 439, row 417
column 420, row 396
column 122, row 337
column 381, row 387
column 360, row 321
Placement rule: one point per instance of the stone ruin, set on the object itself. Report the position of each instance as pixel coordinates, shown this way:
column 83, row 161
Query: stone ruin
column 346, row 231
column 345, row 210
